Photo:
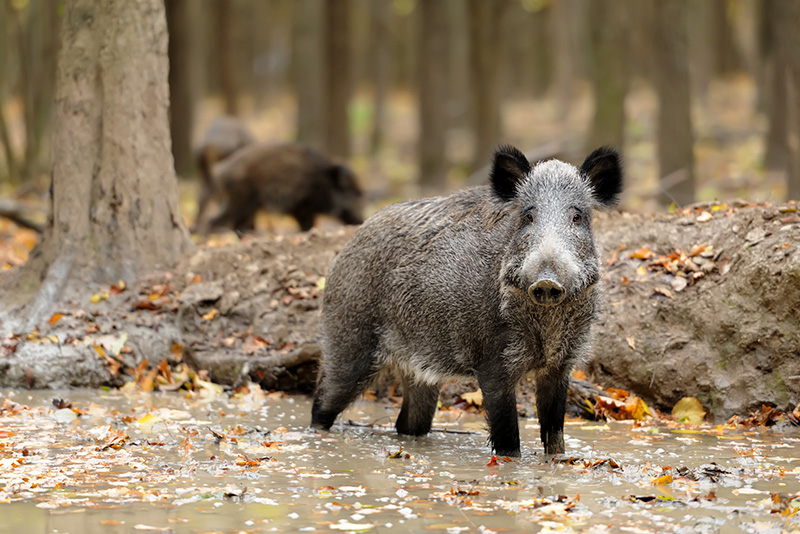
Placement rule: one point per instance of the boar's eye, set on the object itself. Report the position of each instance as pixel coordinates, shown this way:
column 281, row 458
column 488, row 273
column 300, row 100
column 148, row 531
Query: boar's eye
column 529, row 217
column 577, row 217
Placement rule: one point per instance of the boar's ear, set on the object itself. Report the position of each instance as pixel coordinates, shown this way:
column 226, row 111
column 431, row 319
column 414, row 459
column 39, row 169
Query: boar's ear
column 509, row 168
column 603, row 168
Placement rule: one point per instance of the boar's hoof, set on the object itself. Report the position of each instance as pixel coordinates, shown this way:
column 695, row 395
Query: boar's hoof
column 546, row 293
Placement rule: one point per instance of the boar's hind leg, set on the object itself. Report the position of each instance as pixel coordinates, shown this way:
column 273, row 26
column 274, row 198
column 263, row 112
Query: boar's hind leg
column 419, row 407
column 551, row 404
column 500, row 401
column 336, row 391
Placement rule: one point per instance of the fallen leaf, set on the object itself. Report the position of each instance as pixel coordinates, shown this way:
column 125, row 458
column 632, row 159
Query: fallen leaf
column 631, row 342
column 662, row 480
column 688, row 410
column 99, row 297
column 55, row 318
column 663, row 291
column 210, row 315
column 704, row 217
column 475, row 398
column 678, row 284
column 643, row 254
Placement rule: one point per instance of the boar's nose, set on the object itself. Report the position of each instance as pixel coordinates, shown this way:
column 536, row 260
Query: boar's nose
column 546, row 292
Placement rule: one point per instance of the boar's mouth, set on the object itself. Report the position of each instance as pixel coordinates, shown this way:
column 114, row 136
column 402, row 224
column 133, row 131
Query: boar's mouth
column 546, row 292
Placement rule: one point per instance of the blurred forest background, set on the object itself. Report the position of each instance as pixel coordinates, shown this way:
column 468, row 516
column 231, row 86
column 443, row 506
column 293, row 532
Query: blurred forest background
column 702, row 96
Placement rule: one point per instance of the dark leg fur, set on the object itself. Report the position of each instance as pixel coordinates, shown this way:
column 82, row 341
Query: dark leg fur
column 500, row 401
column 419, row 407
column 551, row 403
column 339, row 386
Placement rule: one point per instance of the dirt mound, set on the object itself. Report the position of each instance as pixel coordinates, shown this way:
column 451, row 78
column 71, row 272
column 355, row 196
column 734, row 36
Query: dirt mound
column 702, row 303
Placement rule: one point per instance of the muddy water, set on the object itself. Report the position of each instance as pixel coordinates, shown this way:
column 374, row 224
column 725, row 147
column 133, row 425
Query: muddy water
column 168, row 463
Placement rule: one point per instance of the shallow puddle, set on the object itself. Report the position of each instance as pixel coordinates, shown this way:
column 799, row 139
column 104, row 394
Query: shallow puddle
column 168, row 463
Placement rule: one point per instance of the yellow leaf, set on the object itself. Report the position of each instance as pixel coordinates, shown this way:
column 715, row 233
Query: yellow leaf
column 475, row 398
column 99, row 297
column 689, row 410
column 55, row 318
column 210, row 315
column 704, row 217
column 148, row 420
column 662, row 480
column 177, row 352
column 321, row 283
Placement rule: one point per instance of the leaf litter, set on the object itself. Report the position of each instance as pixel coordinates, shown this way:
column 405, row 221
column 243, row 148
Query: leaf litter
column 202, row 450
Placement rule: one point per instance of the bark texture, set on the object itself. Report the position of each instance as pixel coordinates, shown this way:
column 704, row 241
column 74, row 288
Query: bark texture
column 114, row 204
column 675, row 134
column 182, row 82
column 610, row 58
column 307, row 70
column 432, row 94
column 338, row 77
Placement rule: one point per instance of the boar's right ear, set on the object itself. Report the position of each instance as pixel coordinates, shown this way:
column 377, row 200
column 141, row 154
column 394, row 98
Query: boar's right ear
column 603, row 169
column 509, row 168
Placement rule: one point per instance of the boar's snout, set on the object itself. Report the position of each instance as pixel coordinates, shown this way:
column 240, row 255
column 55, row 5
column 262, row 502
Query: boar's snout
column 546, row 292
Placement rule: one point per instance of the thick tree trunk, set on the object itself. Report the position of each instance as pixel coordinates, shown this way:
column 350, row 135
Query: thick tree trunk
column 380, row 65
column 675, row 137
column 114, row 205
column 610, row 56
column 486, row 44
column 307, row 70
column 338, row 77
column 787, row 17
column 431, row 142
column 182, row 82
column 38, row 46
column 226, row 66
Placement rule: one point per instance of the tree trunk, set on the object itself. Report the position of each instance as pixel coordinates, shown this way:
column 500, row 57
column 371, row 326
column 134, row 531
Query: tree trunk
column 486, row 36
column 226, row 68
column 610, row 56
column 675, row 137
column 788, row 18
column 38, row 48
column 307, row 70
column 432, row 85
column 338, row 77
column 380, row 62
column 182, row 82
column 114, row 204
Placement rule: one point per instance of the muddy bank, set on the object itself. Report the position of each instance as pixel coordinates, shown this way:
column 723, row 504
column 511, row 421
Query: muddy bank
column 703, row 303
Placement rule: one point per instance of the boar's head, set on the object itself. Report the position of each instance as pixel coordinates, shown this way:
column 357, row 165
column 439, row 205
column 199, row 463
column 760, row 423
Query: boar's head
column 551, row 255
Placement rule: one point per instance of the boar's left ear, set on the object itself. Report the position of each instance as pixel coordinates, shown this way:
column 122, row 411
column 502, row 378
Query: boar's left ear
column 603, row 169
column 509, row 168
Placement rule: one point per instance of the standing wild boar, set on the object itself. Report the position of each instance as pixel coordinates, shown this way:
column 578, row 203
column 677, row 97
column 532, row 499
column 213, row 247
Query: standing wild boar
column 291, row 178
column 224, row 136
column 491, row 282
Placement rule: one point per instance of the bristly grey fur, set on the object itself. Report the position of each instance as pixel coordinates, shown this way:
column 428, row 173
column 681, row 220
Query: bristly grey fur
column 445, row 287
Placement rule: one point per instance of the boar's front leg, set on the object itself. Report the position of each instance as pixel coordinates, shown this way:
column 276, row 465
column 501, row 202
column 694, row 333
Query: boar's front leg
column 551, row 404
column 500, row 401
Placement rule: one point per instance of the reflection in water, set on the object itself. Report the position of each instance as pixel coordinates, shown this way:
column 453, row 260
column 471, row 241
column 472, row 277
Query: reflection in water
column 248, row 464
